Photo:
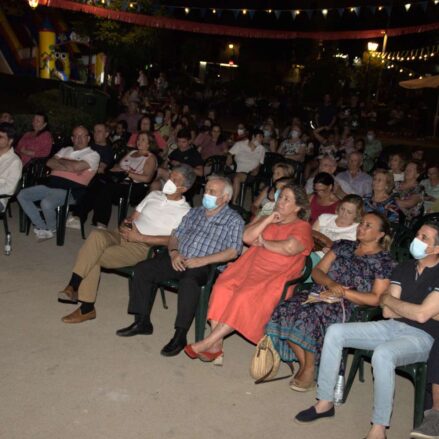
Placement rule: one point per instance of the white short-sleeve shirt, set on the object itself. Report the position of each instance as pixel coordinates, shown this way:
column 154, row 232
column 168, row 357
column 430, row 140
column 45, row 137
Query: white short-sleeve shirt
column 329, row 228
column 158, row 215
column 246, row 158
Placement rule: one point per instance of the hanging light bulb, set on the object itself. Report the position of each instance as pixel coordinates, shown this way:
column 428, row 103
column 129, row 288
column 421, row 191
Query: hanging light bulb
column 298, row 11
column 270, row 11
column 186, row 10
column 407, row 6
column 352, row 9
column 380, row 8
column 33, row 3
column 213, row 11
column 325, row 12
column 244, row 12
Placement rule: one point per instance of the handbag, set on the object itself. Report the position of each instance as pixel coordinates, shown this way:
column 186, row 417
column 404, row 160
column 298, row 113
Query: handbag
column 265, row 362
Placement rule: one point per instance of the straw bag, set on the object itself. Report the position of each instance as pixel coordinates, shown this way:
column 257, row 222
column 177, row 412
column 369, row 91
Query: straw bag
column 265, row 362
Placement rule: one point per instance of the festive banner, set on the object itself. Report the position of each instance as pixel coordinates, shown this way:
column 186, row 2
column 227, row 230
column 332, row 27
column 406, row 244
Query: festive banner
column 217, row 29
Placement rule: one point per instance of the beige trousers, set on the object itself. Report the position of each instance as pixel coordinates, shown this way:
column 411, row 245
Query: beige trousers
column 108, row 250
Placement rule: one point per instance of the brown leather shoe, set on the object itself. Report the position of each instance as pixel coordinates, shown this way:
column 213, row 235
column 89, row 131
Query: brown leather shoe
column 77, row 317
column 68, row 295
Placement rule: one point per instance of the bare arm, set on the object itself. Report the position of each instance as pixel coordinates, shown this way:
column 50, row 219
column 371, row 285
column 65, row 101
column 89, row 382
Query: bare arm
column 252, row 231
column 215, row 258
column 61, row 164
column 317, row 135
column 148, row 172
column 371, row 298
column 410, row 202
column 428, row 309
column 257, row 203
column 287, row 247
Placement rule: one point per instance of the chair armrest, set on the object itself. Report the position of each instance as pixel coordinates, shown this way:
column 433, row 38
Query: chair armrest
column 5, row 196
column 303, row 277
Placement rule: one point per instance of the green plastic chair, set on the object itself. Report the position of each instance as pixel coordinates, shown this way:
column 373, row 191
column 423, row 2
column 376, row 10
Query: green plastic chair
column 417, row 372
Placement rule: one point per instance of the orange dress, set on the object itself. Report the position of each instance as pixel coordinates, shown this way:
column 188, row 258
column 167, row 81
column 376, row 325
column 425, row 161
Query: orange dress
column 245, row 295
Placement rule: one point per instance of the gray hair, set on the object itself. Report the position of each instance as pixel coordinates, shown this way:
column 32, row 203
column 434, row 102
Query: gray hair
column 188, row 174
column 228, row 188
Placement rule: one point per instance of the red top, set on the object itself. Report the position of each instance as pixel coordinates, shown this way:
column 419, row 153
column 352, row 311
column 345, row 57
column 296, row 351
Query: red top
column 317, row 209
column 40, row 145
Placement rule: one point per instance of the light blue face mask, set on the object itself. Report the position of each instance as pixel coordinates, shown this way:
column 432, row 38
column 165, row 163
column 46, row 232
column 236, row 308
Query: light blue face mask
column 209, row 202
column 277, row 194
column 418, row 248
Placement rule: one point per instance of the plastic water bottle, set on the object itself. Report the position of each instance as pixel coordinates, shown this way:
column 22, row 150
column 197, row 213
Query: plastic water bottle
column 8, row 244
column 339, row 391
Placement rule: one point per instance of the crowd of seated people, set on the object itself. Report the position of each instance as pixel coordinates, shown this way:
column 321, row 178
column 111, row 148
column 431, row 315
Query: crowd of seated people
column 350, row 198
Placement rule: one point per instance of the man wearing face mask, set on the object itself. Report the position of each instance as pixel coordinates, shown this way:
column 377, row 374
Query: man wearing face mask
column 208, row 234
column 412, row 306
column 151, row 224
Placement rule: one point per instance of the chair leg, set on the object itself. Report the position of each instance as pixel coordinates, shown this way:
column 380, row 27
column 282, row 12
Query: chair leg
column 22, row 219
column 162, row 294
column 201, row 314
column 352, row 372
column 82, row 229
column 361, row 371
column 242, row 195
column 420, row 382
column 60, row 225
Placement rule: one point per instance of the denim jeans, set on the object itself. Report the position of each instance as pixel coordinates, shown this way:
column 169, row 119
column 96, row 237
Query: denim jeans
column 49, row 199
column 394, row 344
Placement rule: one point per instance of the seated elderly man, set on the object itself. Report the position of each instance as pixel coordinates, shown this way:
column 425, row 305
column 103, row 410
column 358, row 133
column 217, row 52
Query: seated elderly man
column 412, row 306
column 151, row 224
column 72, row 168
column 208, row 234
column 10, row 163
column 360, row 182
column 329, row 165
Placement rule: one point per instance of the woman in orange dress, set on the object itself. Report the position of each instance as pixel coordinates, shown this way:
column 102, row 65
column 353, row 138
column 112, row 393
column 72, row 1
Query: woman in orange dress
column 245, row 295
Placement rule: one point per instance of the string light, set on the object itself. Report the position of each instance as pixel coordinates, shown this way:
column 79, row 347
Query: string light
column 187, row 10
column 270, row 11
column 324, row 12
column 244, row 12
column 407, row 6
column 213, row 11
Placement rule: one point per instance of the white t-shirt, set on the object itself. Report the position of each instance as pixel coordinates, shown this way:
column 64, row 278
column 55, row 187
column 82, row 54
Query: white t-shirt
column 10, row 174
column 246, row 158
column 158, row 215
column 329, row 228
column 86, row 154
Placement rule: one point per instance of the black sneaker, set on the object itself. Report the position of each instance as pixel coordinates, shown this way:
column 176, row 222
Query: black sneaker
column 310, row 415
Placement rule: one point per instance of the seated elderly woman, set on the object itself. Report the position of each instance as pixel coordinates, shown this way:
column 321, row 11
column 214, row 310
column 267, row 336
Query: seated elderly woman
column 382, row 198
column 245, row 295
column 139, row 165
column 280, row 170
column 356, row 272
column 323, row 200
column 341, row 225
column 36, row 143
column 408, row 193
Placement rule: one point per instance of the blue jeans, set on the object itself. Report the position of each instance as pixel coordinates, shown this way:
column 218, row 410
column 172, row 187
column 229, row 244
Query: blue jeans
column 394, row 344
column 49, row 199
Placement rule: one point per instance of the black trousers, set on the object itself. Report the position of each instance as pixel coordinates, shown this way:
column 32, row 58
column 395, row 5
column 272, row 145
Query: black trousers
column 143, row 288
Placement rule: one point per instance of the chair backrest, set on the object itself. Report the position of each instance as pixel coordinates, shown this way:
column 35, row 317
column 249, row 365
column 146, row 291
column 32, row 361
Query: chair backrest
column 216, row 163
column 306, row 272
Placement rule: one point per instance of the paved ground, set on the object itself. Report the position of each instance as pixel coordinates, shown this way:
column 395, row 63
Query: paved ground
column 82, row 381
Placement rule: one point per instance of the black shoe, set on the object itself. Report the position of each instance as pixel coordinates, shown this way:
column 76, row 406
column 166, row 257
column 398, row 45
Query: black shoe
column 310, row 415
column 139, row 327
column 176, row 345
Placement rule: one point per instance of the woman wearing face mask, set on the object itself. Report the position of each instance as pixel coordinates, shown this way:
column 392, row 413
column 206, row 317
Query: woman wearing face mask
column 36, row 143
column 341, row 225
column 293, row 148
column 382, row 199
column 245, row 295
column 323, row 200
column 357, row 272
column 408, row 193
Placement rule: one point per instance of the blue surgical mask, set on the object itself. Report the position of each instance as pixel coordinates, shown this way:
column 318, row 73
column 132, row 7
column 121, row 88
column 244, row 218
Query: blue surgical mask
column 209, row 201
column 277, row 194
column 158, row 120
column 418, row 248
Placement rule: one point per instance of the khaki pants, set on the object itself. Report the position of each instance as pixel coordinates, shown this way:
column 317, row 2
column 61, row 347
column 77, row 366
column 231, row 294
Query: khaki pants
column 104, row 249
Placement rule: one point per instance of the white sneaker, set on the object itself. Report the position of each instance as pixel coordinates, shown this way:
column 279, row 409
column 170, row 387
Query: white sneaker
column 101, row 226
column 36, row 230
column 73, row 222
column 44, row 235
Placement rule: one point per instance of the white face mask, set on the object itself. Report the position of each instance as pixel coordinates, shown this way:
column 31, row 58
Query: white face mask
column 240, row 132
column 169, row 188
column 370, row 137
column 294, row 134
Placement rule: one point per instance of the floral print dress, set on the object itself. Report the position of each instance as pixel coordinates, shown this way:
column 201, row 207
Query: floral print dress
column 305, row 324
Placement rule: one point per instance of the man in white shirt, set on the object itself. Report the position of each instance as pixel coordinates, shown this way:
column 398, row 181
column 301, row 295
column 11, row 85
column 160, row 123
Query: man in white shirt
column 10, row 163
column 151, row 224
column 71, row 168
column 248, row 155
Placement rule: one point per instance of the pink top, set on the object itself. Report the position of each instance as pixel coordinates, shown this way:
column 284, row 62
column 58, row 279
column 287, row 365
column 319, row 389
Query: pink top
column 40, row 145
column 317, row 209
column 208, row 147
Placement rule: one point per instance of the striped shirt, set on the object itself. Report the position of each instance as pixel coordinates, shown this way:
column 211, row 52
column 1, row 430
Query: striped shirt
column 199, row 235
